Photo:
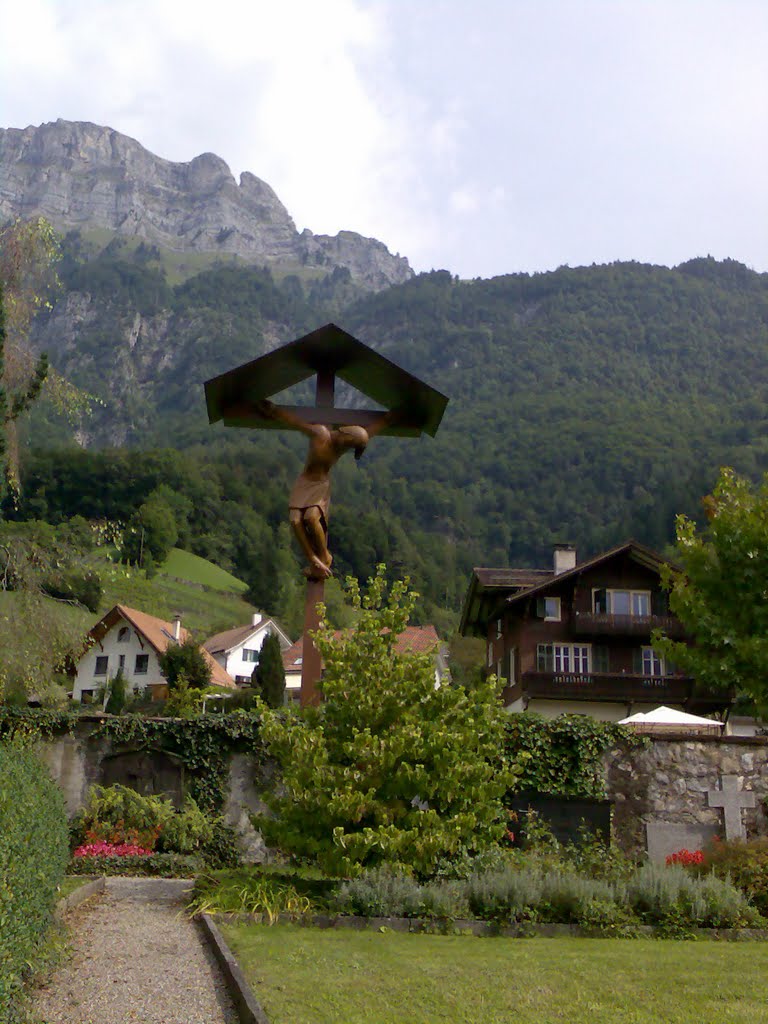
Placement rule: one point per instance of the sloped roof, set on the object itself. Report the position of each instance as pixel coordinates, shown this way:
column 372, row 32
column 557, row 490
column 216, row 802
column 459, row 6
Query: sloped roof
column 158, row 633
column 490, row 589
column 413, row 640
column 231, row 396
column 229, row 639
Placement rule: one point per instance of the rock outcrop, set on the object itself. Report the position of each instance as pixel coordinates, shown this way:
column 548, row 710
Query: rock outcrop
column 82, row 175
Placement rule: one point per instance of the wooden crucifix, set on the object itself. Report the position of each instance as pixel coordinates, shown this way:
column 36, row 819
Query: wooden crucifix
column 240, row 398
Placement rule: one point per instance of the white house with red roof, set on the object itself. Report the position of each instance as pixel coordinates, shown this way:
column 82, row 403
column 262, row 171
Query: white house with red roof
column 237, row 650
column 413, row 640
column 131, row 641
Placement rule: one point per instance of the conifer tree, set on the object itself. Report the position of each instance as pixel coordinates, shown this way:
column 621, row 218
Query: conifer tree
column 269, row 675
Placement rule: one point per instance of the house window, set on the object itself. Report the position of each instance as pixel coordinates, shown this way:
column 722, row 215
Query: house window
column 548, row 608
column 635, row 603
column 490, row 654
column 121, row 665
column 250, row 655
column 498, row 628
column 123, row 635
column 102, row 664
column 243, row 680
column 511, row 678
column 652, row 664
column 561, row 658
column 86, row 696
column 142, row 665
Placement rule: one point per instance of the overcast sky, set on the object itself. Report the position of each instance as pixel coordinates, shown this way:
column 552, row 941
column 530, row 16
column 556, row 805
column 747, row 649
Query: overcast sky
column 481, row 136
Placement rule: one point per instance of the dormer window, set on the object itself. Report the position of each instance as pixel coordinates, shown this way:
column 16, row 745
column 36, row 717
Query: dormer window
column 123, row 635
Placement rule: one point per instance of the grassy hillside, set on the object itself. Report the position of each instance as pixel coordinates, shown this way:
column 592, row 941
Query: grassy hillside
column 183, row 565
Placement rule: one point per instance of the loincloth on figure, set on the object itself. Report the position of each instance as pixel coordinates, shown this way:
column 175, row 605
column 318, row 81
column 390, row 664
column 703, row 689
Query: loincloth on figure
column 307, row 493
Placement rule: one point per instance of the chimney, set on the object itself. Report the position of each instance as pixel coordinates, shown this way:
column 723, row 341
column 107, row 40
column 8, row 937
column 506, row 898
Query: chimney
column 256, row 618
column 177, row 627
column 565, row 558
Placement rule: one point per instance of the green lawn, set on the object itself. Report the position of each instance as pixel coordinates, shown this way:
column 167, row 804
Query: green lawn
column 72, row 882
column 303, row 975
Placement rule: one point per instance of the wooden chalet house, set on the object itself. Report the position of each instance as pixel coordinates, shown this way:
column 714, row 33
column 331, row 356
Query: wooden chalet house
column 576, row 638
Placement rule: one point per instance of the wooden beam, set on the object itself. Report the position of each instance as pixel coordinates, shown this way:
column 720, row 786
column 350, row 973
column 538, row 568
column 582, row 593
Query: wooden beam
column 244, row 414
column 311, row 662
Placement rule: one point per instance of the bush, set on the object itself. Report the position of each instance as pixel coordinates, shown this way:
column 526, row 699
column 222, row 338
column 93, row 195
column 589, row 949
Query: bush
column 33, row 858
column 745, row 863
column 165, row 865
column 254, row 894
column 676, row 900
column 117, row 814
column 379, row 892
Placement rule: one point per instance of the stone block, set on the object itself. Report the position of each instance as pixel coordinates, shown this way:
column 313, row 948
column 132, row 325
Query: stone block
column 664, row 838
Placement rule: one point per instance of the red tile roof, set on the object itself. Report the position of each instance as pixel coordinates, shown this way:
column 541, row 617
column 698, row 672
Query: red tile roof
column 413, row 640
column 159, row 634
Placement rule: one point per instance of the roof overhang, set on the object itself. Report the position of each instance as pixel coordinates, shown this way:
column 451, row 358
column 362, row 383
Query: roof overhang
column 232, row 396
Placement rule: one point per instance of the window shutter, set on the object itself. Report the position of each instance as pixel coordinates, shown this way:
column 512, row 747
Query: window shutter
column 637, row 661
column 601, row 602
column 659, row 603
column 541, row 608
column 600, row 661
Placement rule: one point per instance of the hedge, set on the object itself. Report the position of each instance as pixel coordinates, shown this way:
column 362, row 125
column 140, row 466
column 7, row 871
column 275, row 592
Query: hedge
column 34, row 851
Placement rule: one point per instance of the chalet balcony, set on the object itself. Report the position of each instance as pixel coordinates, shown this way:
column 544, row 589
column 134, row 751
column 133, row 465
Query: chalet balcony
column 602, row 624
column 625, row 688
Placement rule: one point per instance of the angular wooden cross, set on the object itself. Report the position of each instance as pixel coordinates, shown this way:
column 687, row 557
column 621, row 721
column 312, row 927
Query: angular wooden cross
column 237, row 398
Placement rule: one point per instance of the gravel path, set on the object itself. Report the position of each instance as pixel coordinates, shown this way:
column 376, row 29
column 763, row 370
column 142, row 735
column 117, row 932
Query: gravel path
column 136, row 958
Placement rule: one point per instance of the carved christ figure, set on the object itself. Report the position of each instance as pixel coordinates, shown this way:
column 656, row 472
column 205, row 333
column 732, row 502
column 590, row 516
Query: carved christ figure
column 310, row 497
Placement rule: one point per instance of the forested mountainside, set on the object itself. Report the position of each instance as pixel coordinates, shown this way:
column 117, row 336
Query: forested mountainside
column 586, row 405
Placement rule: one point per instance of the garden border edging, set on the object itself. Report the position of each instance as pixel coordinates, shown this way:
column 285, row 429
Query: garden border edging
column 486, row 929
column 247, row 1006
column 81, row 894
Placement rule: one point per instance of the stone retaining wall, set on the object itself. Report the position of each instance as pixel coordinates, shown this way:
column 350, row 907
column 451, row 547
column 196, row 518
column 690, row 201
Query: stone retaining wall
column 667, row 782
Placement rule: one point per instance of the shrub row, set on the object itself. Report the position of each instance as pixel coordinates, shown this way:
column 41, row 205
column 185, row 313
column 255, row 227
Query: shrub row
column 165, row 865
column 33, row 858
column 668, row 897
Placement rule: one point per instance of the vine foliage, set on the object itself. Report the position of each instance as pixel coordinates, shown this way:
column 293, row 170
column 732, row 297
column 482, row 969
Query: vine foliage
column 566, row 753
column 204, row 745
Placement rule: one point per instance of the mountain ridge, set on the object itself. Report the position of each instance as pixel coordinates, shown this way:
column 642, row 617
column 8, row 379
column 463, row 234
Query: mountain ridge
column 81, row 175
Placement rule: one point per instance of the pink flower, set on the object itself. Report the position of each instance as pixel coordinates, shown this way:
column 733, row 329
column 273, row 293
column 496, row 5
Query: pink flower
column 104, row 849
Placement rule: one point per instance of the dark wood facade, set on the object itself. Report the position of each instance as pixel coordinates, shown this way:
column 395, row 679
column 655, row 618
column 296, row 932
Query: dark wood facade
column 583, row 634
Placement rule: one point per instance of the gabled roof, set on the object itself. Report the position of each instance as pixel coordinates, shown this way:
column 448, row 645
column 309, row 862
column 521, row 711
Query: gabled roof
column 490, row 590
column 413, row 640
column 328, row 349
column 158, row 633
column 223, row 643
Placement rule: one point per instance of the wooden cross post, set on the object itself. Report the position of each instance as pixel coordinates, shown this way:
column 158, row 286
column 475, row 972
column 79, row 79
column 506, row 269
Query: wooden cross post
column 311, row 662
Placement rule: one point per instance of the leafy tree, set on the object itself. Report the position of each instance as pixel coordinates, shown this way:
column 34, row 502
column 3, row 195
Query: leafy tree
column 185, row 662
column 151, row 531
column 118, row 693
column 269, row 674
column 720, row 591
column 389, row 769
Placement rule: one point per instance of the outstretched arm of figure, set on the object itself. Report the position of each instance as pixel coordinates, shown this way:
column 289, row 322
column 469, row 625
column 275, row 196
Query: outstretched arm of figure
column 270, row 411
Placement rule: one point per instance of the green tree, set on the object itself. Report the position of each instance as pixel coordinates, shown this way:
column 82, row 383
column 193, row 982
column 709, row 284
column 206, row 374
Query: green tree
column 185, row 663
column 390, row 768
column 720, row 590
column 151, row 531
column 269, row 674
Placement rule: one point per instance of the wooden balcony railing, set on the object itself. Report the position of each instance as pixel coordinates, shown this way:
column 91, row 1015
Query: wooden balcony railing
column 623, row 687
column 600, row 623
